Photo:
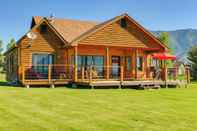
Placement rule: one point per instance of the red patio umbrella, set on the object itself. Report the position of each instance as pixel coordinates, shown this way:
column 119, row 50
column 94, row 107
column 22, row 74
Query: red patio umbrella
column 164, row 56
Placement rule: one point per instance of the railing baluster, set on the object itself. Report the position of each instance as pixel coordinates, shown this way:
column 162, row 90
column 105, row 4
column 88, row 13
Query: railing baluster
column 90, row 75
column 82, row 73
column 121, row 74
column 23, row 74
column 49, row 73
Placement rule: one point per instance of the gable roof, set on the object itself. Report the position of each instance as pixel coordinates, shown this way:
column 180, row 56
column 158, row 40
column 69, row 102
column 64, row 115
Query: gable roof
column 68, row 29
column 74, row 30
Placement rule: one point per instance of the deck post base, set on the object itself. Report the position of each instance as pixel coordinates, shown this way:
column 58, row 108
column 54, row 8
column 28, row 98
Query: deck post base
column 52, row 86
column 92, row 87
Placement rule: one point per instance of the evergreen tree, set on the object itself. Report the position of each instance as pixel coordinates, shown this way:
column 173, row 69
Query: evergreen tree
column 192, row 57
column 2, row 61
column 11, row 43
column 164, row 37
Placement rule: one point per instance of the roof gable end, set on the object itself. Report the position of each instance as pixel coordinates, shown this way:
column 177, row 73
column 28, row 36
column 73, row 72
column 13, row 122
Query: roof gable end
column 141, row 29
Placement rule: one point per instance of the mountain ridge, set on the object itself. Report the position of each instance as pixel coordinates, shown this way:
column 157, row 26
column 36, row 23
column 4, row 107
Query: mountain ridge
column 181, row 40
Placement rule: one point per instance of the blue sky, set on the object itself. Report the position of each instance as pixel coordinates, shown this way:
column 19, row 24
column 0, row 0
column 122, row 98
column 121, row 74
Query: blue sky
column 153, row 14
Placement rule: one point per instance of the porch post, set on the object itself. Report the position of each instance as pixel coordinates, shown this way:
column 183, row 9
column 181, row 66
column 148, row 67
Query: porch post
column 165, row 71
column 49, row 73
column 107, row 63
column 136, row 54
column 75, row 64
column 23, row 74
column 187, row 70
column 146, row 66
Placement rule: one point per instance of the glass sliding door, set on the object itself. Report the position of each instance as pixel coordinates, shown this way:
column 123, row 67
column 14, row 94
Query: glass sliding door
column 97, row 62
column 115, row 66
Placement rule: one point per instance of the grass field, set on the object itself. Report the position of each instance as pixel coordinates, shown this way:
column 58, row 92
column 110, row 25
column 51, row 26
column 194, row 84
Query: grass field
column 64, row 109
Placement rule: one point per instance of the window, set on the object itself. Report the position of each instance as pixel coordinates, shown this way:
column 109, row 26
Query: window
column 43, row 28
column 123, row 23
column 39, row 62
column 139, row 63
column 86, row 61
column 128, row 63
column 42, row 59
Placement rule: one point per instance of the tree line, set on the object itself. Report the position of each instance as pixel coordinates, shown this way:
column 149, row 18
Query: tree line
column 191, row 54
column 9, row 45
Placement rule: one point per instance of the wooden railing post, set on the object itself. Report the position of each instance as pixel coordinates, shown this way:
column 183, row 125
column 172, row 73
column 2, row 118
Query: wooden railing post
column 107, row 63
column 90, row 75
column 107, row 72
column 188, row 75
column 121, row 74
column 23, row 74
column 82, row 73
column 165, row 76
column 136, row 69
column 49, row 73
column 75, row 64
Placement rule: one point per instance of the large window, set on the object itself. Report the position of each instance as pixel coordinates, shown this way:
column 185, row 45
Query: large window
column 95, row 61
column 139, row 63
column 42, row 59
column 128, row 63
column 40, row 62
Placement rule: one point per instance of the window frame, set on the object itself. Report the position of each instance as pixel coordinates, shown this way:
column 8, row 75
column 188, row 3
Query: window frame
column 139, row 65
column 84, row 62
column 128, row 67
column 43, row 53
column 123, row 23
column 43, row 28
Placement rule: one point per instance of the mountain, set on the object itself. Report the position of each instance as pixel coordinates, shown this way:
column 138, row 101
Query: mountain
column 181, row 40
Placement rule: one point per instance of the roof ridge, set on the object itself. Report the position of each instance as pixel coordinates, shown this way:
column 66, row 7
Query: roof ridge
column 77, row 20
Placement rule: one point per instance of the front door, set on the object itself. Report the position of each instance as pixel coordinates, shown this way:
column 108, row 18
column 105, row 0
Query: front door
column 115, row 60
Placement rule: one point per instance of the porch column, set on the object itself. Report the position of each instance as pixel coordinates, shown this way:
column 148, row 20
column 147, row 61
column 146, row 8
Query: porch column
column 107, row 63
column 75, row 64
column 136, row 54
column 146, row 68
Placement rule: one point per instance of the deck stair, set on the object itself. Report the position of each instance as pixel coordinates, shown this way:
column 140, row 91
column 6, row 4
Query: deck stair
column 149, row 86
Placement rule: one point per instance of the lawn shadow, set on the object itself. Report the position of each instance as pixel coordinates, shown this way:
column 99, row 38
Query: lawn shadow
column 4, row 83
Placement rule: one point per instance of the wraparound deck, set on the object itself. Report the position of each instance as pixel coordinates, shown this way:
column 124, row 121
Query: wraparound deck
column 63, row 74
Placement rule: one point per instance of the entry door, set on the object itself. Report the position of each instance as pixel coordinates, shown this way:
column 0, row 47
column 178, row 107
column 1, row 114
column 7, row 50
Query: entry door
column 115, row 60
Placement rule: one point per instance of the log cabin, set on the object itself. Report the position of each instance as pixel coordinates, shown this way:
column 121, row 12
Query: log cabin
column 60, row 51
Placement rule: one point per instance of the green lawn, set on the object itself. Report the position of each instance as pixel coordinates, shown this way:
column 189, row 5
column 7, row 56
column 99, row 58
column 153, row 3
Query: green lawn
column 64, row 109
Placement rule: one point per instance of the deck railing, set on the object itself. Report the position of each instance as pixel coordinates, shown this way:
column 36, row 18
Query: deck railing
column 52, row 73
column 47, row 72
column 173, row 74
column 99, row 72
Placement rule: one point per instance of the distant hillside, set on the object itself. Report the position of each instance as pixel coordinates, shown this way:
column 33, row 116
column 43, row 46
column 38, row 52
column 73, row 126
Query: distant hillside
column 181, row 40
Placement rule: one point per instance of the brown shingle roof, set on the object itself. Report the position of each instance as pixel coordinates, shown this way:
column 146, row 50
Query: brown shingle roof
column 69, row 29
